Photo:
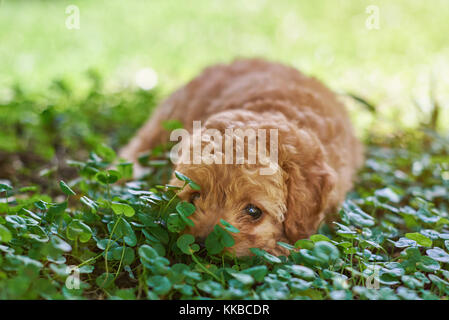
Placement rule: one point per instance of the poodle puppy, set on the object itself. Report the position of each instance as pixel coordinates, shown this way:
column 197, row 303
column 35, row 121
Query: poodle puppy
column 315, row 156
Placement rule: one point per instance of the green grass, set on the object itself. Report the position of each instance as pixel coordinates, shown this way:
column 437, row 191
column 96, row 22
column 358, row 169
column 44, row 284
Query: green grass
column 62, row 206
column 390, row 66
column 68, row 99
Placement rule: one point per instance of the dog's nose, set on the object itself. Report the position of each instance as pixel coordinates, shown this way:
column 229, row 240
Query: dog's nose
column 201, row 242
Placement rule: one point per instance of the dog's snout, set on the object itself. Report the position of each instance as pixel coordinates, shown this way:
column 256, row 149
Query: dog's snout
column 201, row 241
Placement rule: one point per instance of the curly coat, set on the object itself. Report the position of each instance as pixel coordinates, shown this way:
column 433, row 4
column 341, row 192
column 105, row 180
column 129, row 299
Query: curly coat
column 318, row 153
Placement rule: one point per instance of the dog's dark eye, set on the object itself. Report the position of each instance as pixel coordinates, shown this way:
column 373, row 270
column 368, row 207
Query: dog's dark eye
column 194, row 196
column 253, row 211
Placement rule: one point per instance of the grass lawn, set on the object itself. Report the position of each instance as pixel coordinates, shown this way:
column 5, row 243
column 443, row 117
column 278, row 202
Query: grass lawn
column 391, row 65
column 69, row 99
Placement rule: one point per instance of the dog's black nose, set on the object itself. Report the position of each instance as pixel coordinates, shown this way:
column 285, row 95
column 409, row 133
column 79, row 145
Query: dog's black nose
column 201, row 242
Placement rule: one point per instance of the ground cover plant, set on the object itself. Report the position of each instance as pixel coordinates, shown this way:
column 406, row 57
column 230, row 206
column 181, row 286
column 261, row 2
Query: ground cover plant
column 69, row 211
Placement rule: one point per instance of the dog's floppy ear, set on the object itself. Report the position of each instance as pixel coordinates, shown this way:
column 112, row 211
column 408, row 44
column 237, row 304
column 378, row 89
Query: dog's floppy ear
column 309, row 180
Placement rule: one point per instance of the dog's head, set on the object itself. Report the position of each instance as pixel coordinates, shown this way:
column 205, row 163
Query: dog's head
column 285, row 205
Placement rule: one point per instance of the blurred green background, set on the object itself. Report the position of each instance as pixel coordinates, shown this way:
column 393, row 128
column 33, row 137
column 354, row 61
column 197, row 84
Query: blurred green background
column 63, row 91
column 329, row 39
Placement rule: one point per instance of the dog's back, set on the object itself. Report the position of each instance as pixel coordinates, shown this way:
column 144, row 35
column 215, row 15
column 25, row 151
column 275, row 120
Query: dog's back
column 244, row 83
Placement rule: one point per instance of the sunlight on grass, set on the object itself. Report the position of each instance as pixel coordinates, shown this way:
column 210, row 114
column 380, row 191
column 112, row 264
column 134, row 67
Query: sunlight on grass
column 391, row 66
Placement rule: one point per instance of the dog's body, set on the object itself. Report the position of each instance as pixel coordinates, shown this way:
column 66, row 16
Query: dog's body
column 318, row 153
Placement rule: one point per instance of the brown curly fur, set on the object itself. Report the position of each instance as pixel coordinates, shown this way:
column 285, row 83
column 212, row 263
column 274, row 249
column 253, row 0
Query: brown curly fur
column 318, row 152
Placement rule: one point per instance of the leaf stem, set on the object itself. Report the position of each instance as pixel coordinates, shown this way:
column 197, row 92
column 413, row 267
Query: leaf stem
column 206, row 270
column 121, row 260
column 109, row 244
